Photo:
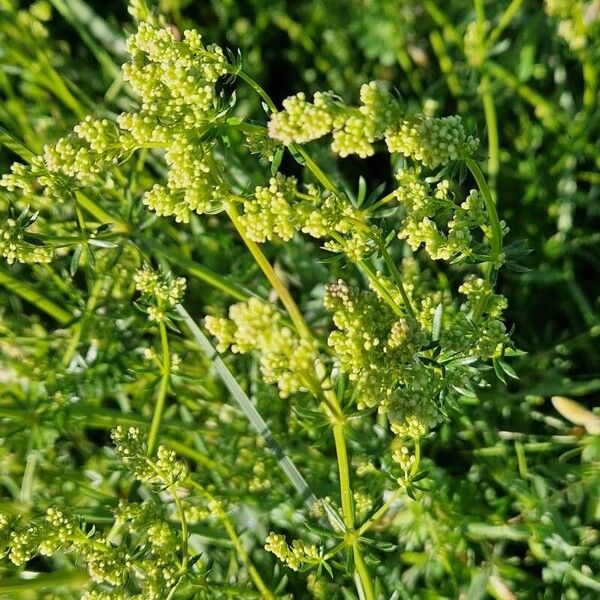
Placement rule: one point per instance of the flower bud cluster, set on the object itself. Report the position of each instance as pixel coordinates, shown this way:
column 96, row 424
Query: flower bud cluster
column 255, row 325
column 280, row 210
column 428, row 140
column 147, row 555
column 15, row 248
column 425, row 207
column 191, row 185
column 160, row 292
column 95, row 145
column 431, row 141
column 164, row 469
column 295, row 556
column 355, row 130
column 576, row 21
column 386, row 357
column 272, row 211
column 372, row 345
column 403, row 457
column 301, row 121
column 174, row 78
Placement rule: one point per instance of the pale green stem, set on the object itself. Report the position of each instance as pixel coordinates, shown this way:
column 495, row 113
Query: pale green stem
column 590, row 80
column 19, row 587
column 281, row 290
column 487, row 99
column 184, row 530
column 120, row 226
column 237, row 542
column 79, row 327
column 397, row 279
column 379, row 287
column 329, row 395
column 505, row 19
column 495, row 231
column 163, row 388
column 363, row 572
column 385, row 507
column 385, row 200
column 491, row 124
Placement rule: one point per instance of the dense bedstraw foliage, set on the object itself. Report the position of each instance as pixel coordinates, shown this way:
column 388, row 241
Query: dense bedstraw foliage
column 285, row 299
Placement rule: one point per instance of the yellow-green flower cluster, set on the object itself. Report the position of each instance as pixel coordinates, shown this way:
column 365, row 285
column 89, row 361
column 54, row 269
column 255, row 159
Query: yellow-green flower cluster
column 190, row 183
column 431, row 141
column 273, row 211
column 280, row 210
column 164, row 469
column 15, row 248
column 372, row 345
column 428, row 140
column 355, row 130
column 295, row 556
column 425, row 207
column 175, row 80
column 160, row 292
column 255, row 325
column 578, row 20
column 301, row 121
column 388, row 358
column 95, row 145
column 147, row 555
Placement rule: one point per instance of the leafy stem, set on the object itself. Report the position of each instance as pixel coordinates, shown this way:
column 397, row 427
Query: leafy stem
column 163, row 389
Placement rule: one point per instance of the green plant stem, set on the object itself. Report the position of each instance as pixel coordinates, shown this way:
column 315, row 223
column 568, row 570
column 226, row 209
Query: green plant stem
column 381, row 289
column 241, row 551
column 446, row 64
column 237, row 542
column 363, row 572
column 505, row 19
column 314, row 168
column 490, row 207
column 544, row 110
column 397, row 279
column 24, row 290
column 590, row 81
column 257, row 88
column 442, row 20
column 79, row 327
column 253, row 416
column 344, row 473
column 200, row 272
column 487, row 99
column 386, row 506
column 491, row 123
column 88, row 204
column 163, row 388
column 106, row 419
column 330, row 398
column 381, row 202
column 495, row 232
column 184, row 529
column 18, row 586
column 282, row 291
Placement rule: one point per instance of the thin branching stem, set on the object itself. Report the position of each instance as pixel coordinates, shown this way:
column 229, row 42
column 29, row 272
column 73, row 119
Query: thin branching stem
column 163, row 389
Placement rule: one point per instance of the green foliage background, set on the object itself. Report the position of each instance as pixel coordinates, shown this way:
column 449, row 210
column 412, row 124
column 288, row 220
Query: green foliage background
column 514, row 502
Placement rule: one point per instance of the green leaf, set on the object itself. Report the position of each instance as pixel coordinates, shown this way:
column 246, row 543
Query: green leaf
column 277, row 161
column 478, row 585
